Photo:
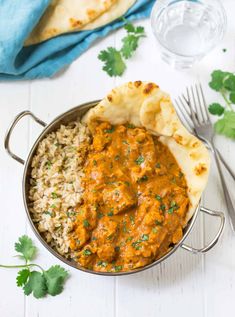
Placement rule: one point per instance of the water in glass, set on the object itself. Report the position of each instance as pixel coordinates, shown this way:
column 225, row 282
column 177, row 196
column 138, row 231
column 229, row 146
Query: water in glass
column 187, row 29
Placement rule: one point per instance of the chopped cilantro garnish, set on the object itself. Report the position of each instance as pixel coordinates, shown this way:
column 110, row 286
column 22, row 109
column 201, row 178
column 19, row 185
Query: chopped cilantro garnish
column 111, row 130
column 136, row 245
column 94, row 162
column 54, row 195
column 130, row 126
column 117, row 268
column 158, row 197
column 102, row 263
column 139, row 160
column 86, row 223
column 145, row 237
column 143, row 179
column 132, row 219
column 87, row 252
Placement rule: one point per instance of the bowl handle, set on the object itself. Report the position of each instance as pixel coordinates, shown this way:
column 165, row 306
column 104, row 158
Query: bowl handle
column 216, row 238
column 11, row 128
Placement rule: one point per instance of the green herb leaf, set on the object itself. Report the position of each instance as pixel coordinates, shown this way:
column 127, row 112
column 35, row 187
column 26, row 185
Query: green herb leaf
column 143, row 179
column 36, row 284
column 102, row 263
column 111, row 130
column 226, row 125
column 22, row 277
column 130, row 45
column 86, row 223
column 232, row 97
column 55, row 278
column 140, row 30
column 145, row 237
column 129, row 27
column 229, row 82
column 136, row 245
column 113, row 62
column 130, row 126
column 139, row 160
column 216, row 109
column 87, row 252
column 118, row 268
column 54, row 195
column 217, row 79
column 26, row 247
column 158, row 197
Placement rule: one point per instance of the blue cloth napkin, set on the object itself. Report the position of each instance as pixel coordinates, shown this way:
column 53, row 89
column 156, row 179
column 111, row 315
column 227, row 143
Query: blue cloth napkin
column 18, row 18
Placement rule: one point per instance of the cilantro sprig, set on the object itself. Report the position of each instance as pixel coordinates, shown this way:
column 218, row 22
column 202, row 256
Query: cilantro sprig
column 224, row 83
column 114, row 60
column 39, row 283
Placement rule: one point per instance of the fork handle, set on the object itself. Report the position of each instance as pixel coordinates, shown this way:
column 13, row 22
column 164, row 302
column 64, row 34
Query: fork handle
column 228, row 199
column 225, row 164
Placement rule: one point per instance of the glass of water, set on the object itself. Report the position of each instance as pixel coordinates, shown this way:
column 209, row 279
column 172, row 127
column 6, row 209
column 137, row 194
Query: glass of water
column 186, row 30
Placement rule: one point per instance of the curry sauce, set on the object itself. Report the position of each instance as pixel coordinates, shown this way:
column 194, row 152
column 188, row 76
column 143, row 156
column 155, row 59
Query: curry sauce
column 134, row 203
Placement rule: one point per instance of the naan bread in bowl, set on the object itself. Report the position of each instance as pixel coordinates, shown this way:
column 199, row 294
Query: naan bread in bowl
column 144, row 104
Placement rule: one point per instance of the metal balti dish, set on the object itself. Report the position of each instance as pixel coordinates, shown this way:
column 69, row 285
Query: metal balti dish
column 65, row 118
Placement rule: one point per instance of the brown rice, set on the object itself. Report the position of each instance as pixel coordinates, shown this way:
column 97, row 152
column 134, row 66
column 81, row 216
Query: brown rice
column 56, row 183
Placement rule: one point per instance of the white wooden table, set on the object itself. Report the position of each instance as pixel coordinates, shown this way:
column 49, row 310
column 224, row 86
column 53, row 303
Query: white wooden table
column 185, row 284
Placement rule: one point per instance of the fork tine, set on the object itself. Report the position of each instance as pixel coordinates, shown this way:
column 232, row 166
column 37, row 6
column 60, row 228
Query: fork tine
column 204, row 103
column 185, row 103
column 183, row 117
column 193, row 116
column 184, row 107
column 201, row 106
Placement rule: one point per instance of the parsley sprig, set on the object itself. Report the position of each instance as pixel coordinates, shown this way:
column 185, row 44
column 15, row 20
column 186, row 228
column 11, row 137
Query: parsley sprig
column 224, row 83
column 114, row 60
column 39, row 283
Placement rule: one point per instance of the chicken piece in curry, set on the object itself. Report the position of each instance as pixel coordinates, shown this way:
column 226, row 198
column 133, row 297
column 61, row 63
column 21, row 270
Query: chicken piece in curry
column 134, row 203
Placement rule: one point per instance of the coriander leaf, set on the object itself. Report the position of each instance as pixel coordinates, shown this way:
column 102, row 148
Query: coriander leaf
column 26, row 247
column 139, row 160
column 36, row 284
column 217, row 79
column 22, row 277
column 226, row 125
column 114, row 64
column 232, row 97
column 140, row 30
column 229, row 82
column 145, row 237
column 129, row 27
column 216, row 109
column 55, row 278
column 130, row 44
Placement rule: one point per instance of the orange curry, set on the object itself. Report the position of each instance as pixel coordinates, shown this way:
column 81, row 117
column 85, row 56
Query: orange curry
column 134, row 203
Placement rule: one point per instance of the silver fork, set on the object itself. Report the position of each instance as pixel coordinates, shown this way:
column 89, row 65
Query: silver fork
column 184, row 113
column 204, row 129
